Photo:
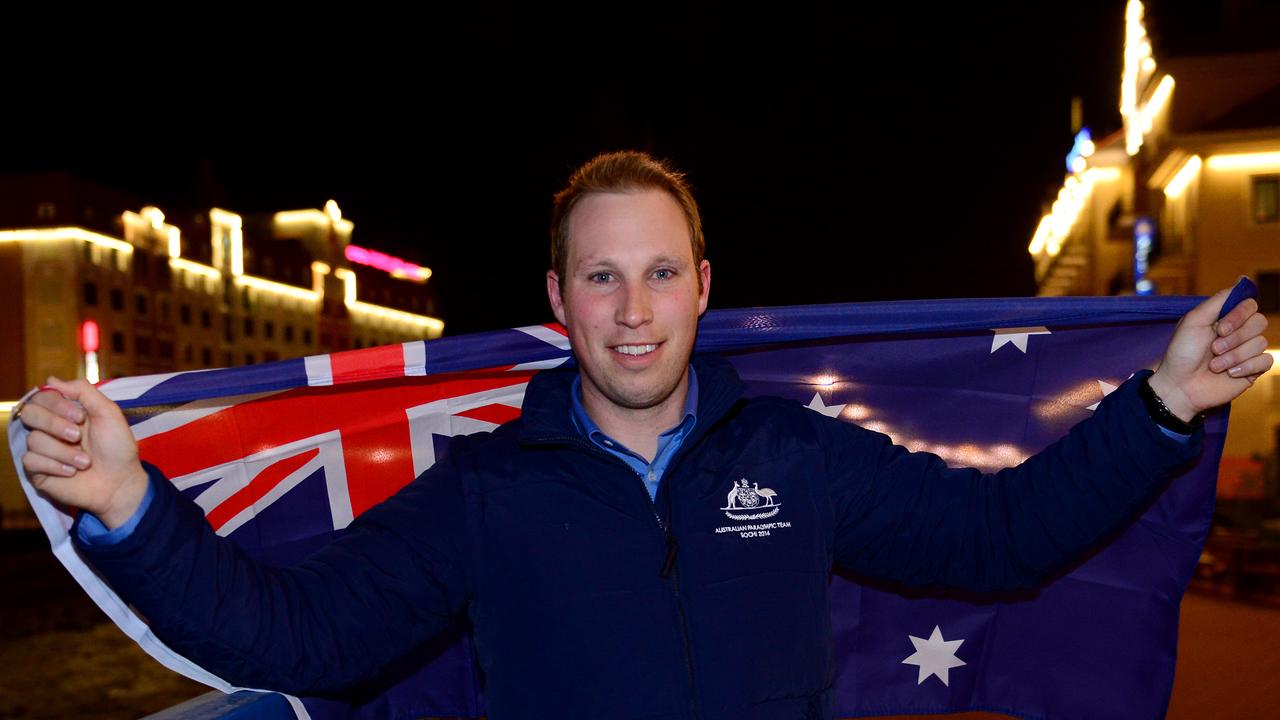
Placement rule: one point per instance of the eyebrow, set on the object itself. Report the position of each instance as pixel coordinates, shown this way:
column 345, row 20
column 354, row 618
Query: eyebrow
column 659, row 260
column 670, row 260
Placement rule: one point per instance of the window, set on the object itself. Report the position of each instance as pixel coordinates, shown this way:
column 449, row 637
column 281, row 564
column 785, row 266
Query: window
column 164, row 349
column 90, row 293
column 188, row 354
column 288, row 333
column 1268, row 290
column 142, row 345
column 268, row 329
column 248, row 327
column 227, row 333
column 206, row 320
column 1266, row 198
column 47, row 211
column 117, row 299
column 184, row 314
column 206, row 357
column 117, row 342
column 306, row 337
column 248, row 359
column 141, row 304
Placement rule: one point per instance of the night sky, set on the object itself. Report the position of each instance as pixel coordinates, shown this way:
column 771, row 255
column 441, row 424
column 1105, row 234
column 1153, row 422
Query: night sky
column 839, row 155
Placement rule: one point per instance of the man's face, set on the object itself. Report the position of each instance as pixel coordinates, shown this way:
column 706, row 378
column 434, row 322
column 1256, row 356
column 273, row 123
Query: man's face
column 631, row 297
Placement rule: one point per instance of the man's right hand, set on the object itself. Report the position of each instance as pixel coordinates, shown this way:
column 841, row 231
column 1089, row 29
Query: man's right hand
column 81, row 452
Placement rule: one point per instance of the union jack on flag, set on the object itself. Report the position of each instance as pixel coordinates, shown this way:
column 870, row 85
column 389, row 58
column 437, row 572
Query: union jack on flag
column 281, row 456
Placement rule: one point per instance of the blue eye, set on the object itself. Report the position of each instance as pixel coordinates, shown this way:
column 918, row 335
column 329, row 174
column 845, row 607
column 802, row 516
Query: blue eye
column 600, row 277
column 664, row 274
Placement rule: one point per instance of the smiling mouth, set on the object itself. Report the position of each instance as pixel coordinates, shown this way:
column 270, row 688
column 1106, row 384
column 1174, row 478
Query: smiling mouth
column 635, row 350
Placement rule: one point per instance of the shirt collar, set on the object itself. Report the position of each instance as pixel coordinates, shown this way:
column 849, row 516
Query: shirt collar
column 589, row 428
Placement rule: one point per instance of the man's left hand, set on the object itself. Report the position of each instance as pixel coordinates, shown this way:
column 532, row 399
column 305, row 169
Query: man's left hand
column 1210, row 361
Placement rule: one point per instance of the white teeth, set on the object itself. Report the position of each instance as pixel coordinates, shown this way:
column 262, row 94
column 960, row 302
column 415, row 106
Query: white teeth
column 635, row 349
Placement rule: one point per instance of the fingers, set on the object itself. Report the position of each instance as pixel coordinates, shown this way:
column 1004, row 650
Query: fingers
column 1234, row 362
column 56, row 480
column 38, row 417
column 37, row 465
column 57, row 404
column 65, row 454
column 88, row 396
column 1252, row 367
column 1238, row 316
column 1206, row 313
column 1251, row 328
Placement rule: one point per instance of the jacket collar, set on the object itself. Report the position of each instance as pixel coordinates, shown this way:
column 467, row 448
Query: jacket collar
column 547, row 416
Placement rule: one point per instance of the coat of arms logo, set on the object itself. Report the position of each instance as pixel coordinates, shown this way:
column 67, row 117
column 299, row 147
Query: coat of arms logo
column 749, row 501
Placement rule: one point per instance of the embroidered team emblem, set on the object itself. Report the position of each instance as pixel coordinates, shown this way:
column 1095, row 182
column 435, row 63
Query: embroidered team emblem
column 751, row 502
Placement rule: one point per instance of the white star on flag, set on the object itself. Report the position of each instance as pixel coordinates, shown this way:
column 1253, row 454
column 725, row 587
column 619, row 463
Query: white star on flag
column 1106, row 388
column 818, row 406
column 1016, row 335
column 935, row 656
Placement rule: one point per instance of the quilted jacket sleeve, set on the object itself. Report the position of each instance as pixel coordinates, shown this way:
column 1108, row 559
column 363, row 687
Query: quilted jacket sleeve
column 908, row 518
column 393, row 579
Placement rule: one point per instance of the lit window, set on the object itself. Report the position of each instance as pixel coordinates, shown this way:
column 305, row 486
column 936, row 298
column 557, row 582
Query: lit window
column 1266, row 198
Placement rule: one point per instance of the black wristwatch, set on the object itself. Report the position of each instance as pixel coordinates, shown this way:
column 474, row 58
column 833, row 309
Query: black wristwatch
column 1161, row 413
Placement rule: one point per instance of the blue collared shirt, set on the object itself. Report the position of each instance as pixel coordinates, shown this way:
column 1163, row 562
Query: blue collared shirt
column 669, row 442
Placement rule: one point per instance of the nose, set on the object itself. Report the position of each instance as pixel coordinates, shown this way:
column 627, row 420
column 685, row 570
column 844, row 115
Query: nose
column 636, row 308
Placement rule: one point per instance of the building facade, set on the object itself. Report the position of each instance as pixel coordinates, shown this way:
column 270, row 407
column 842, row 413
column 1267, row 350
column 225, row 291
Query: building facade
column 98, row 287
column 1182, row 200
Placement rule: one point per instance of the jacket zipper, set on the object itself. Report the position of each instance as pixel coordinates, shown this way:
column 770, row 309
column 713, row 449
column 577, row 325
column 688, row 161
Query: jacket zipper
column 669, row 570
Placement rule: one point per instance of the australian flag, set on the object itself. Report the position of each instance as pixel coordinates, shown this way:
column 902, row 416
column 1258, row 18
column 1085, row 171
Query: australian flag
column 282, row 456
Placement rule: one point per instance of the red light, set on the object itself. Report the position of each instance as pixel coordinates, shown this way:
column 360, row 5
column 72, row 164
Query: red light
column 89, row 336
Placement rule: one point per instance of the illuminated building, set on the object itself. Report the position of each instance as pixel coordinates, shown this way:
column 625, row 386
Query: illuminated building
column 98, row 286
column 1182, row 200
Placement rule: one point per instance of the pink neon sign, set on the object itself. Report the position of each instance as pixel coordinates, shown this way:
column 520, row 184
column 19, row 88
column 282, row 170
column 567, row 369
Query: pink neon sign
column 386, row 263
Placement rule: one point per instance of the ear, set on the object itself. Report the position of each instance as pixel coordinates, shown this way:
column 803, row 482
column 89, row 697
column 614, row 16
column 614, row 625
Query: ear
column 553, row 294
column 704, row 271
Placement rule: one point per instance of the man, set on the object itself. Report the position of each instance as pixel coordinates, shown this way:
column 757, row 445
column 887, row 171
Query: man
column 580, row 539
